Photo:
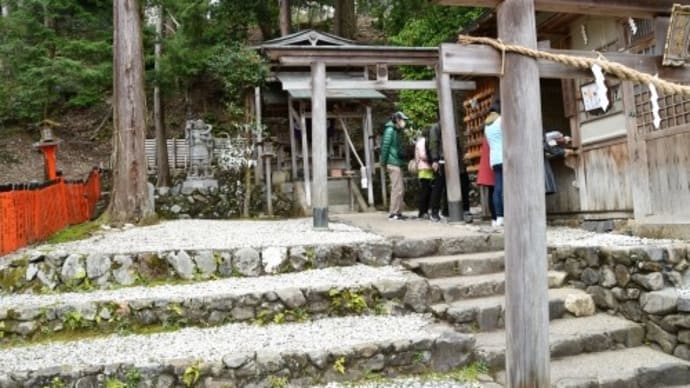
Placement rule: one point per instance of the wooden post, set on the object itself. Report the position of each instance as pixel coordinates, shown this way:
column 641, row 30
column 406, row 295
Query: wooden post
column 319, row 145
column 348, row 160
column 637, row 146
column 258, row 171
column 305, row 153
column 269, row 186
column 293, row 145
column 527, row 303
column 368, row 156
column 450, row 148
column 161, row 157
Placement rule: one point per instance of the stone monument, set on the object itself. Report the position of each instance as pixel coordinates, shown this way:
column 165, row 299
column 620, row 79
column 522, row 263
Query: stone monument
column 199, row 171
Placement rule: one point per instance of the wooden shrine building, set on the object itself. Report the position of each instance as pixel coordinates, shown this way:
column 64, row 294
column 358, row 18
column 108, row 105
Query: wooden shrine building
column 330, row 81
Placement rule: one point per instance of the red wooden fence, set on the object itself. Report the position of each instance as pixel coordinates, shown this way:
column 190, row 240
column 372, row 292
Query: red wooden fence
column 32, row 212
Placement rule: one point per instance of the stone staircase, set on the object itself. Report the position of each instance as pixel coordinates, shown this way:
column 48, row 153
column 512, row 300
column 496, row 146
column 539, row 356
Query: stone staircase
column 599, row 350
column 298, row 316
column 326, row 319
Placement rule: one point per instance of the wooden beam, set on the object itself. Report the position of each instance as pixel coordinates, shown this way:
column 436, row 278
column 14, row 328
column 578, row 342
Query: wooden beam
column 353, row 55
column 319, row 145
column 450, row 148
column 645, row 9
column 332, row 60
column 379, row 85
column 482, row 60
column 527, row 300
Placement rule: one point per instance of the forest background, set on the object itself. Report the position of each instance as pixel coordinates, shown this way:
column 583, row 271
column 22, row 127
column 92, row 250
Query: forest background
column 56, row 65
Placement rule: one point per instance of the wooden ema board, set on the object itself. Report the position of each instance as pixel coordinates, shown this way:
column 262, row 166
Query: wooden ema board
column 476, row 109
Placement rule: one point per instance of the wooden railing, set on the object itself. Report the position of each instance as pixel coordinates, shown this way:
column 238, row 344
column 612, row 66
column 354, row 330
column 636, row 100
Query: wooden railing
column 32, row 212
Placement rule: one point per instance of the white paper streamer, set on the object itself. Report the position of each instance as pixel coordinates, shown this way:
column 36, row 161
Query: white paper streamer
column 583, row 30
column 654, row 98
column 633, row 26
column 601, row 86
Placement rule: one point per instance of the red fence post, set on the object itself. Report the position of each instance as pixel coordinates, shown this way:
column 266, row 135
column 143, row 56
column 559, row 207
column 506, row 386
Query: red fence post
column 29, row 215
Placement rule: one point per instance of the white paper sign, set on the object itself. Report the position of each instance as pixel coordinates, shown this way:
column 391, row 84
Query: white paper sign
column 633, row 26
column 654, row 98
column 602, row 90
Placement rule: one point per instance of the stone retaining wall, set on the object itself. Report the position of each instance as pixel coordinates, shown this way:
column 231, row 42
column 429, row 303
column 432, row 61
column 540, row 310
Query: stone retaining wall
column 646, row 284
column 280, row 306
column 441, row 353
column 45, row 271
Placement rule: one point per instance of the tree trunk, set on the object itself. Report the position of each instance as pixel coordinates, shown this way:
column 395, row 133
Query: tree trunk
column 285, row 17
column 345, row 23
column 129, row 201
column 5, row 8
column 158, row 112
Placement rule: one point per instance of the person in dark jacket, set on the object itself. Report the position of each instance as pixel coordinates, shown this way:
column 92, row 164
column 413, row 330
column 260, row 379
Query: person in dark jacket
column 393, row 160
column 554, row 147
column 439, row 186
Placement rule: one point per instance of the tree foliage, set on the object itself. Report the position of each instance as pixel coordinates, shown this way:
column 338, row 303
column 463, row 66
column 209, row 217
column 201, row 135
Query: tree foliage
column 54, row 54
column 418, row 23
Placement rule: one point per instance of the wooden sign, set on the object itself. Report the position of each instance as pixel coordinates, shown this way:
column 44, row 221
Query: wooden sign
column 677, row 50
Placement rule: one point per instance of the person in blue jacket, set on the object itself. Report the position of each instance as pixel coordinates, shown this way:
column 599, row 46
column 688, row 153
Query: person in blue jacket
column 494, row 136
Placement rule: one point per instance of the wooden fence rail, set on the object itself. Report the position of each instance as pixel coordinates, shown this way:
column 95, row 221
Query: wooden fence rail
column 32, row 212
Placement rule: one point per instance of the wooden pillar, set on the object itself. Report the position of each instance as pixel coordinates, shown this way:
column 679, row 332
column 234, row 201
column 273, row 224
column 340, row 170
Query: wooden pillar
column 347, row 150
column 637, row 146
column 258, row 170
column 450, row 148
column 527, row 305
column 319, row 145
column 293, row 145
column 305, row 153
column 269, row 186
column 368, row 157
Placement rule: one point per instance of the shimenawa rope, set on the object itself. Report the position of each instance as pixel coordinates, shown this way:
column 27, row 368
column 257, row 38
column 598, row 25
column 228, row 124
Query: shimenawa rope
column 618, row 70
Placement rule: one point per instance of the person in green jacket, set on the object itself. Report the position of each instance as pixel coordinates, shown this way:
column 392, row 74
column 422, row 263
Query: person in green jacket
column 393, row 160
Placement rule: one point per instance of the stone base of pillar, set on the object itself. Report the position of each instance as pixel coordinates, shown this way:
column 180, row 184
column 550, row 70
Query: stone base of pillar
column 455, row 211
column 320, row 218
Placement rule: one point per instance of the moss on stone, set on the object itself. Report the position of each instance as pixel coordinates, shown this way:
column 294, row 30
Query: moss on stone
column 75, row 232
column 12, row 278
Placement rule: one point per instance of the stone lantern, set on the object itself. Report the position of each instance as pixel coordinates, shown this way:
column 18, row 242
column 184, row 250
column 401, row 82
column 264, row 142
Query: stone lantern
column 48, row 147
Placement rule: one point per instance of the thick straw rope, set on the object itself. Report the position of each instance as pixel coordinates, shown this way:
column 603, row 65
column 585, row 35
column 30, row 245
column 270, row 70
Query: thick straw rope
column 618, row 70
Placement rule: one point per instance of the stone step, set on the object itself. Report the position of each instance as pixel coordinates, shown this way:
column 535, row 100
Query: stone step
column 299, row 354
column 450, row 289
column 487, row 314
column 633, row 367
column 189, row 250
column 454, row 265
column 568, row 337
column 304, row 295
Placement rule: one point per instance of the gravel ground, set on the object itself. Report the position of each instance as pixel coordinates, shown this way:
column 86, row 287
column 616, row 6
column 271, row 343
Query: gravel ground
column 351, row 276
column 561, row 236
column 212, row 344
column 557, row 236
column 412, row 382
column 220, row 235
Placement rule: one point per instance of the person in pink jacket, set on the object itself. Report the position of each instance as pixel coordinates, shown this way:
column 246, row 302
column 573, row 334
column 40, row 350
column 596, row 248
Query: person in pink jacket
column 485, row 177
column 425, row 174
